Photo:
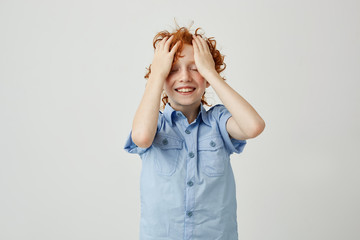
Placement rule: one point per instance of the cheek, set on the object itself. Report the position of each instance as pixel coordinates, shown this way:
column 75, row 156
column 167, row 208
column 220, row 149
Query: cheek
column 197, row 76
column 167, row 84
column 201, row 81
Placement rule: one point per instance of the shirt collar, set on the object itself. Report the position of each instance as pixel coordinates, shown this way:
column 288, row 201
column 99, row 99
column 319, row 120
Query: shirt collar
column 170, row 114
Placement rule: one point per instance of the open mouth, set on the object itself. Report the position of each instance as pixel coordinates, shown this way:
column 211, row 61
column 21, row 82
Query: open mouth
column 185, row 90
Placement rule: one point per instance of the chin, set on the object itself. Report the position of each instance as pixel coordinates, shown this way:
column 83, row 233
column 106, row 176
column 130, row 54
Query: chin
column 187, row 103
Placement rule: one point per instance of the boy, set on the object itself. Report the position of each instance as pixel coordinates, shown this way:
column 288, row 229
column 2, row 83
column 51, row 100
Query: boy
column 187, row 184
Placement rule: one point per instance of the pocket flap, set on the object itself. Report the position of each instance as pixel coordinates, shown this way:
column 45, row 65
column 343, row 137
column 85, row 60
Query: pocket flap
column 167, row 142
column 211, row 143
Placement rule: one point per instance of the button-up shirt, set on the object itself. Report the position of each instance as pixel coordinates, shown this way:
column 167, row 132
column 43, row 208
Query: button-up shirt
column 187, row 186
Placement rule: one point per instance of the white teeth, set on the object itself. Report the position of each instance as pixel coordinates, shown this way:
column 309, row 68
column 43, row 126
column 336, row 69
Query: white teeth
column 185, row 90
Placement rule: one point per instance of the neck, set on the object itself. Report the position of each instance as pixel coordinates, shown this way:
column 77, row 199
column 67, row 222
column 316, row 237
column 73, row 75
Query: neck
column 190, row 112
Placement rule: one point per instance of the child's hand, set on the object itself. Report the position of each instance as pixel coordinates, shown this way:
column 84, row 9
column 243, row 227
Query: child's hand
column 202, row 55
column 163, row 58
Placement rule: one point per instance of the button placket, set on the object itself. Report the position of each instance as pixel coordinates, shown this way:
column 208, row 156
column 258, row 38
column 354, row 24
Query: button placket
column 189, row 133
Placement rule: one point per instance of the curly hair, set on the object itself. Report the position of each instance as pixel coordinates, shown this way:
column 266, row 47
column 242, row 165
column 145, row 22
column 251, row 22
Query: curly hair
column 183, row 34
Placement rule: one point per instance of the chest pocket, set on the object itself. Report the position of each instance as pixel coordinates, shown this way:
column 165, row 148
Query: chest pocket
column 212, row 156
column 166, row 150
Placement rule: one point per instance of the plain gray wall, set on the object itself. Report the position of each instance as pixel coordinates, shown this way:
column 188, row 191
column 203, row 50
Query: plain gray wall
column 71, row 78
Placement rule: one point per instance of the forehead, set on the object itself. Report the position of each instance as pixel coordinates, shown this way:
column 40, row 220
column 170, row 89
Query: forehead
column 187, row 50
column 187, row 53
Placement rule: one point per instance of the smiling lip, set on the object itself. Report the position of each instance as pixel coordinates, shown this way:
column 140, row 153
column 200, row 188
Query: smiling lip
column 185, row 90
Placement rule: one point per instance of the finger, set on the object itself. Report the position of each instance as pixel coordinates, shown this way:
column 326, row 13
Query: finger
column 158, row 45
column 195, row 46
column 199, row 45
column 175, row 47
column 161, row 43
column 168, row 42
column 204, row 44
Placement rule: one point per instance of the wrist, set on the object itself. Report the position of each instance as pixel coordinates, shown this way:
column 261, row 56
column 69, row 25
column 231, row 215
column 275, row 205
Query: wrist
column 155, row 76
column 210, row 75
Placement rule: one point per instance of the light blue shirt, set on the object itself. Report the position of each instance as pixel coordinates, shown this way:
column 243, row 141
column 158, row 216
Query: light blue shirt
column 187, row 186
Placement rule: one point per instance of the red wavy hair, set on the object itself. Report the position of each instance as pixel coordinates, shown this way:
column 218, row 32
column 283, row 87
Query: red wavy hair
column 183, row 34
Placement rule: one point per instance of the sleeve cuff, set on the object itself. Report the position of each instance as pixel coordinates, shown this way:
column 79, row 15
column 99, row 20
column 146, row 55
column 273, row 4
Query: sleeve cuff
column 131, row 147
column 233, row 145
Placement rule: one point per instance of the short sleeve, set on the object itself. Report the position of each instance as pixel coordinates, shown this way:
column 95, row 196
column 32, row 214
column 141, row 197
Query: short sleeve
column 131, row 147
column 222, row 115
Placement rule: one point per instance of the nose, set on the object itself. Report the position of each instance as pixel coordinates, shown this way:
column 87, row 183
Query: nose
column 185, row 76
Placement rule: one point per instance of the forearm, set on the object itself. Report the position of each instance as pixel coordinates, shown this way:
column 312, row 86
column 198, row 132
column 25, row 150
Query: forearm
column 247, row 119
column 146, row 117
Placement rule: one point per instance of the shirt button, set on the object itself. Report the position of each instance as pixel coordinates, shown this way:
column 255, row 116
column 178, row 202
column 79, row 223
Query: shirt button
column 190, row 183
column 165, row 141
column 191, row 154
column 187, row 131
column 212, row 143
column 178, row 114
column 189, row 213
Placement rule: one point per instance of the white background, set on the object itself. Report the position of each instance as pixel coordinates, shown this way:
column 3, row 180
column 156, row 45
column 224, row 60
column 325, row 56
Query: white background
column 71, row 78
